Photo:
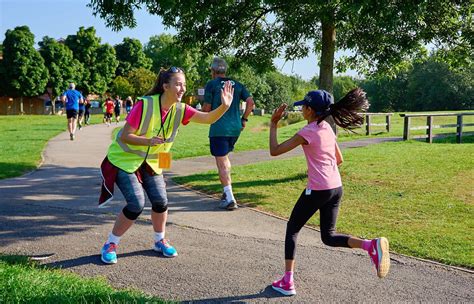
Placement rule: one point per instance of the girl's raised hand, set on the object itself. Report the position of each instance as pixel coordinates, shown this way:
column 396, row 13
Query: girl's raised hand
column 227, row 94
column 278, row 113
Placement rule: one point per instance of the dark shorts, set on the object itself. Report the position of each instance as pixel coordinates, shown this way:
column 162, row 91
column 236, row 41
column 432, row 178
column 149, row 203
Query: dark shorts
column 71, row 114
column 81, row 112
column 222, row 145
column 108, row 115
column 117, row 113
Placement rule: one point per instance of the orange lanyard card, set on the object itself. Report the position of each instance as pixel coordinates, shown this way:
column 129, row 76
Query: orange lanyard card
column 164, row 160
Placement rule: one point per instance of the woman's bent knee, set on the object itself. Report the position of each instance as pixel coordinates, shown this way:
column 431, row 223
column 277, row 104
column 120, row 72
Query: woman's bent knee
column 131, row 215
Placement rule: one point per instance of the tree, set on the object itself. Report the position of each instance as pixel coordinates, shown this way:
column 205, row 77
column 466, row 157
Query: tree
column 388, row 94
column 165, row 52
column 121, row 87
column 61, row 65
column 300, row 87
column 434, row 86
column 255, row 83
column 342, row 85
column 280, row 91
column 425, row 85
column 23, row 67
column 142, row 80
column 100, row 60
column 105, row 67
column 379, row 33
column 131, row 56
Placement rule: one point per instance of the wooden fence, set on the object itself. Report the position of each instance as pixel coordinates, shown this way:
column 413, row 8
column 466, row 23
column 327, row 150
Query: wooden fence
column 369, row 124
column 13, row 106
column 430, row 126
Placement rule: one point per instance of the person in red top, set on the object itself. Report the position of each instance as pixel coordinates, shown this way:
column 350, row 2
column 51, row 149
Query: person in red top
column 109, row 110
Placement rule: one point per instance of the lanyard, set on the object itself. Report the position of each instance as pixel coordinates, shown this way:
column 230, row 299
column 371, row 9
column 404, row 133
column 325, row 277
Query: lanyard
column 161, row 128
column 161, row 121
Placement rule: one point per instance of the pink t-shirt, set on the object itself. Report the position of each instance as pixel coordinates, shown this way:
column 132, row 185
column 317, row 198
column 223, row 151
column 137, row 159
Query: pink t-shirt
column 135, row 115
column 320, row 153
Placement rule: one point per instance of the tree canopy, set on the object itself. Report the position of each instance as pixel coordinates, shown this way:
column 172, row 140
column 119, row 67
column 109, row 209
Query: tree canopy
column 427, row 85
column 100, row 60
column 131, row 56
column 62, row 67
column 380, row 34
column 23, row 67
column 165, row 51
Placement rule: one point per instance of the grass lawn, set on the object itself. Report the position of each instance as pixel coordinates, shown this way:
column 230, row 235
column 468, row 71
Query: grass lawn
column 22, row 281
column 418, row 195
column 193, row 139
column 31, row 133
column 23, row 138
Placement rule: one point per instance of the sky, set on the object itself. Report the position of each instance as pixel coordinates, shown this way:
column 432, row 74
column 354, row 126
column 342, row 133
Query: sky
column 60, row 18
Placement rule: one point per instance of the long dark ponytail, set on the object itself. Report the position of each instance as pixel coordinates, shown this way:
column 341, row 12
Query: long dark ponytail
column 164, row 76
column 348, row 113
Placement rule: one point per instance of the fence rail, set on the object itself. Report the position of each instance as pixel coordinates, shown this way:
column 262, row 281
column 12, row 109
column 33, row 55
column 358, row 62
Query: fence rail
column 369, row 124
column 430, row 126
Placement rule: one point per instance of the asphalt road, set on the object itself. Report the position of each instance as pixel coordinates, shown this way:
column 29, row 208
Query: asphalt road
column 223, row 256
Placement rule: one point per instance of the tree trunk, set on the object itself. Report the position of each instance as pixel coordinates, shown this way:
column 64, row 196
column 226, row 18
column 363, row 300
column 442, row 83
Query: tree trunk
column 52, row 98
column 53, row 105
column 327, row 56
column 21, row 105
column 327, row 62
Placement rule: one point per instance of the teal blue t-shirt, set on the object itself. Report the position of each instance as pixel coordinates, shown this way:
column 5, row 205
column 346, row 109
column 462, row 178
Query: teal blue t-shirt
column 229, row 124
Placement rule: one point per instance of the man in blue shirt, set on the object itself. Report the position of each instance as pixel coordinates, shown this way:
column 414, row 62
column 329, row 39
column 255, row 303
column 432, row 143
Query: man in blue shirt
column 223, row 134
column 71, row 99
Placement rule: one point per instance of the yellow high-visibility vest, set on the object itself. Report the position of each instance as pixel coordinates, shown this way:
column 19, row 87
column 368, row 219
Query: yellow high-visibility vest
column 130, row 157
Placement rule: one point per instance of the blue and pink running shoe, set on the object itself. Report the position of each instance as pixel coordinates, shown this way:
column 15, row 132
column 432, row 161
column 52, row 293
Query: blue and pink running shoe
column 380, row 256
column 165, row 248
column 108, row 254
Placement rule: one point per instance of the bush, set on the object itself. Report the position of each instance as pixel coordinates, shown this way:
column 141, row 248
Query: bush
column 291, row 118
column 294, row 117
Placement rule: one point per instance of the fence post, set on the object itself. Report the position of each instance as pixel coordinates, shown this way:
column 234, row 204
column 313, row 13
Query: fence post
column 429, row 131
column 459, row 129
column 387, row 121
column 406, row 128
column 367, row 124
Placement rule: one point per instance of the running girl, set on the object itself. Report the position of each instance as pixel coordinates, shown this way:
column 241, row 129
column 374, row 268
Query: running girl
column 324, row 188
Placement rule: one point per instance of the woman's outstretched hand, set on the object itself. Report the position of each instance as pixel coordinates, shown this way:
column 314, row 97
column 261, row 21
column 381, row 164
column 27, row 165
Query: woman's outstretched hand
column 278, row 113
column 227, row 94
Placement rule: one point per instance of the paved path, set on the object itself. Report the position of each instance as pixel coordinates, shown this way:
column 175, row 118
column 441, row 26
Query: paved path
column 223, row 256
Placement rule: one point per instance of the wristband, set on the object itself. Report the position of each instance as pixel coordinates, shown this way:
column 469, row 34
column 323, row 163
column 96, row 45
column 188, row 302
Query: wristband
column 245, row 119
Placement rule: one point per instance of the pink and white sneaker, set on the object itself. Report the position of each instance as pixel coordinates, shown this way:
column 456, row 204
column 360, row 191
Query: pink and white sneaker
column 288, row 289
column 380, row 256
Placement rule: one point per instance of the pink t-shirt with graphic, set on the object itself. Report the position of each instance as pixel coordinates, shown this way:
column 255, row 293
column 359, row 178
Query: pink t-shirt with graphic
column 320, row 152
column 135, row 115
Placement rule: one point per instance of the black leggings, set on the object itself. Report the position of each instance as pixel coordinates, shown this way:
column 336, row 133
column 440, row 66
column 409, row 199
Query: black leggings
column 327, row 201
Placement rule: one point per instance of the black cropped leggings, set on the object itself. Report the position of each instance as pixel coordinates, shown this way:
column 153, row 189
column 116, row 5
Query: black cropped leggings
column 327, row 202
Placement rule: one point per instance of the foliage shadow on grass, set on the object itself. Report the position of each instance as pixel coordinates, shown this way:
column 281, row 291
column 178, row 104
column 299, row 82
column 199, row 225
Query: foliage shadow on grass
column 452, row 140
column 11, row 169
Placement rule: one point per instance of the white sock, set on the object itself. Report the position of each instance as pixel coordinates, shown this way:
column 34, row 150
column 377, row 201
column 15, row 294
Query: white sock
column 113, row 239
column 159, row 236
column 229, row 196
